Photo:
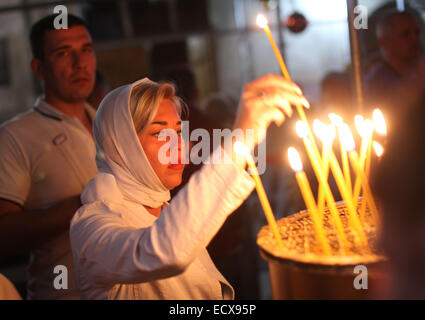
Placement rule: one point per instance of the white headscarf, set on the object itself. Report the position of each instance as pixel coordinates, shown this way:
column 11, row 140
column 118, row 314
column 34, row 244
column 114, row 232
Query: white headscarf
column 119, row 151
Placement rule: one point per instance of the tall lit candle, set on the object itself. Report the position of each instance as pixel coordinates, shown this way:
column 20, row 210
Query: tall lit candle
column 296, row 164
column 345, row 166
column 379, row 150
column 241, row 149
column 379, row 122
column 365, row 129
column 264, row 24
column 369, row 131
column 326, row 135
column 338, row 122
column 367, row 193
column 380, row 126
column 302, row 133
column 349, row 145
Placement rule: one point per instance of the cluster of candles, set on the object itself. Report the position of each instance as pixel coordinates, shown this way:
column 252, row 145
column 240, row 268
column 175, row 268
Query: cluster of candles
column 325, row 162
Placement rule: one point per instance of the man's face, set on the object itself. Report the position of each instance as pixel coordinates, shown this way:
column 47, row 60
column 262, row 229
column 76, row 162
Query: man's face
column 69, row 65
column 404, row 41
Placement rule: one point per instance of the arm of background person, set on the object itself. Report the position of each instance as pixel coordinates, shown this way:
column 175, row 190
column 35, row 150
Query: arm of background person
column 24, row 230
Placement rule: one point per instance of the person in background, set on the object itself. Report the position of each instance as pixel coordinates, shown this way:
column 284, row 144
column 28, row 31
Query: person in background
column 392, row 83
column 399, row 187
column 47, row 156
column 336, row 95
column 100, row 90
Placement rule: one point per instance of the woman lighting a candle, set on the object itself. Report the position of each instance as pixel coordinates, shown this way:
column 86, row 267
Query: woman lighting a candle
column 127, row 241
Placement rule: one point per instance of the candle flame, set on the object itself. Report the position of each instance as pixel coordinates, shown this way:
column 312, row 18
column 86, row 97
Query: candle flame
column 331, row 133
column 359, row 121
column 295, row 159
column 346, row 137
column 262, row 21
column 368, row 127
column 240, row 148
column 336, row 119
column 320, row 130
column 379, row 150
column 302, row 129
column 379, row 122
column 364, row 126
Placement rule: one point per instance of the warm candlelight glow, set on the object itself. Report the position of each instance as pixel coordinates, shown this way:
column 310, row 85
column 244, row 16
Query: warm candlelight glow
column 368, row 128
column 301, row 129
column 346, row 137
column 320, row 130
column 336, row 119
column 379, row 150
column 331, row 133
column 295, row 160
column 379, row 122
column 240, row 148
column 358, row 120
column 262, row 21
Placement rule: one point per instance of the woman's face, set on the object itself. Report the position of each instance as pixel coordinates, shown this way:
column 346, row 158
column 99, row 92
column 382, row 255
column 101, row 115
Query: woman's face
column 166, row 118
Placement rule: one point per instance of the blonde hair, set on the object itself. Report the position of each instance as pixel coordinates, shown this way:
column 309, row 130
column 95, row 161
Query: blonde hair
column 145, row 99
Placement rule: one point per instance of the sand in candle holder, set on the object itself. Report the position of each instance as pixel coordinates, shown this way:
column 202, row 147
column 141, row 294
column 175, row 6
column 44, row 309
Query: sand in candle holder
column 300, row 270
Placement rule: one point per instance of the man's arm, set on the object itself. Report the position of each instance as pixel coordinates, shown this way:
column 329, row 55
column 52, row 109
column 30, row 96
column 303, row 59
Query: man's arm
column 24, row 230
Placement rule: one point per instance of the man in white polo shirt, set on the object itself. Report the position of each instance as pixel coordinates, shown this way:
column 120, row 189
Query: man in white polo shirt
column 47, row 156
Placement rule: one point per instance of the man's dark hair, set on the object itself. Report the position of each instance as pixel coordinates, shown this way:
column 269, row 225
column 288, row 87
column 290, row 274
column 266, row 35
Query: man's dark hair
column 45, row 24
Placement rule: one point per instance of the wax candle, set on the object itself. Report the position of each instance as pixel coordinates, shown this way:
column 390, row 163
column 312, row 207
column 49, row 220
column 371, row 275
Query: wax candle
column 349, row 145
column 241, row 149
column 307, row 194
column 365, row 129
column 326, row 135
column 379, row 150
column 302, row 133
column 264, row 24
column 379, row 122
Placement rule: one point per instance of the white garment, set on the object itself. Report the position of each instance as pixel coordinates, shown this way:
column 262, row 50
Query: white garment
column 119, row 151
column 46, row 157
column 120, row 250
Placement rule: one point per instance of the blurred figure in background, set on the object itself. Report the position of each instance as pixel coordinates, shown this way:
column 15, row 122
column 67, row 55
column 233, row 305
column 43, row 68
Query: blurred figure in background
column 336, row 95
column 399, row 185
column 389, row 84
column 100, row 90
column 221, row 108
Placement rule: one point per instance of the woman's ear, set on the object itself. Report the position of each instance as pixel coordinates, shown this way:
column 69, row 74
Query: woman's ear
column 36, row 67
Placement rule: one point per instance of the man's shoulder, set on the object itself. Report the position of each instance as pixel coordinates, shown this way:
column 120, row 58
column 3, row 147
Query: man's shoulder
column 381, row 72
column 25, row 129
column 21, row 121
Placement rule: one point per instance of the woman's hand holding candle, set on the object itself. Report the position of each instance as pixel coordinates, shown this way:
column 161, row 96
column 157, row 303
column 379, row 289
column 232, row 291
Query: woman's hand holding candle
column 265, row 100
